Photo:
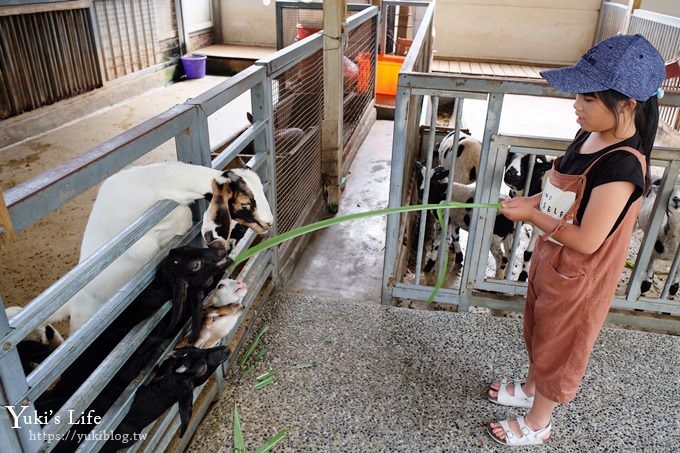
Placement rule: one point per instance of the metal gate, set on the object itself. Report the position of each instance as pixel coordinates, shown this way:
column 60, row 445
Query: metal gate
column 404, row 238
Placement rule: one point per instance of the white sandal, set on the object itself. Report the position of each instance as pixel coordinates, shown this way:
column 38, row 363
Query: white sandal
column 519, row 399
column 529, row 436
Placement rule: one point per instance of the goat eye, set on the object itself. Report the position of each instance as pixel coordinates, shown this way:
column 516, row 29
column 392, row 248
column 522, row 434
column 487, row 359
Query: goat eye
column 220, row 286
column 196, row 265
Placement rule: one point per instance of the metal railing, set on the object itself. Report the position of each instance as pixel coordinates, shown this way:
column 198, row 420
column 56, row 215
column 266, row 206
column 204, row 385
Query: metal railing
column 611, row 21
column 291, row 175
column 404, row 238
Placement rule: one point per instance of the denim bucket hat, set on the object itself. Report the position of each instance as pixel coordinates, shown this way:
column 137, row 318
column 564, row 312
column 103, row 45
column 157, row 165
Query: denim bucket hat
column 628, row 64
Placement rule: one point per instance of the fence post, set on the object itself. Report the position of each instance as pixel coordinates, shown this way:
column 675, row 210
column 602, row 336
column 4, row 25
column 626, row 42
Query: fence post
column 334, row 13
column 193, row 147
column 28, row 437
column 262, row 107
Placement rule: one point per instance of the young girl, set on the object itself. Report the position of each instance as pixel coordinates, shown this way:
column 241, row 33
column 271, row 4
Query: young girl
column 588, row 209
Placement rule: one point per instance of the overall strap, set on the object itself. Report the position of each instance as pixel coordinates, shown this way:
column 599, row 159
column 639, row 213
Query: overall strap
column 571, row 213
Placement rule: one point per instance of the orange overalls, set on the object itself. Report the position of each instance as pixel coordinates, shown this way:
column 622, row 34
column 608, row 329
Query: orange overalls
column 569, row 292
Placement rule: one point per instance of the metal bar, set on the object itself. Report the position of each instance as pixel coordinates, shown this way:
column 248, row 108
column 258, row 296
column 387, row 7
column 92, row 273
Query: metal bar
column 645, row 252
column 360, row 18
column 220, row 95
column 261, row 99
column 450, row 94
column 518, row 225
column 426, row 188
column 40, row 195
column 478, row 218
column 20, row 436
column 43, row 306
column 89, row 390
column 457, row 115
column 422, row 36
column 399, row 152
column 671, row 275
column 253, row 131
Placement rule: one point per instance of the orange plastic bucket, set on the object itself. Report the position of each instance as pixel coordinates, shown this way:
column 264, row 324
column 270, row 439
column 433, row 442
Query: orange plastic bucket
column 388, row 74
column 301, row 32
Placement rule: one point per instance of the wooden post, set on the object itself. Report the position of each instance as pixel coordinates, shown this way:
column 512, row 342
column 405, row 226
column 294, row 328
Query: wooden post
column 632, row 5
column 334, row 12
column 6, row 231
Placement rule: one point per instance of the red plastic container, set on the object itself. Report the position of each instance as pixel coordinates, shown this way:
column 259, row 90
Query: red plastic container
column 301, row 32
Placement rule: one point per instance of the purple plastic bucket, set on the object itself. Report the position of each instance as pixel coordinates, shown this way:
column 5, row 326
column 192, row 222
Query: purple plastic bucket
column 194, row 65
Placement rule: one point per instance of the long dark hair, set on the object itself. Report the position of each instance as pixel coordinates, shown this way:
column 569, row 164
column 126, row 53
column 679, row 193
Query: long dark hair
column 646, row 121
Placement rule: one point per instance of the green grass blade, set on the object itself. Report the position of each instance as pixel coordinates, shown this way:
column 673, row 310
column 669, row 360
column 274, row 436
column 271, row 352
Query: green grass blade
column 265, row 376
column 264, row 383
column 444, row 257
column 273, row 442
column 252, row 347
column 276, row 240
column 239, row 445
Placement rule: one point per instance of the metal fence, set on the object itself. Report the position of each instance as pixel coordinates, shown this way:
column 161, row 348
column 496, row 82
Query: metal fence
column 286, row 93
column 296, row 20
column 359, row 57
column 418, row 89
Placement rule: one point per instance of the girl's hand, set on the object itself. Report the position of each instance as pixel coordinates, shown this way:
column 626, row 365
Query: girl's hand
column 520, row 208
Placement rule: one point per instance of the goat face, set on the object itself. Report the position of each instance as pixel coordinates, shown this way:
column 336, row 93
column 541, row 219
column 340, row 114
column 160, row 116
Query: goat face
column 192, row 364
column 229, row 291
column 238, row 198
column 438, row 183
column 517, row 169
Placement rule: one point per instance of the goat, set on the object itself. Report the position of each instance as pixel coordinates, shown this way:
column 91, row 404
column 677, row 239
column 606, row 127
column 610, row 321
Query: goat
column 186, row 275
column 124, row 196
column 515, row 176
column 503, row 227
column 220, row 314
column 668, row 240
column 37, row 345
column 174, row 382
column 467, row 158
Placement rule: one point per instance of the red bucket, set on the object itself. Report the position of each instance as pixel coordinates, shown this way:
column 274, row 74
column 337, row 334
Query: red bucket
column 301, row 32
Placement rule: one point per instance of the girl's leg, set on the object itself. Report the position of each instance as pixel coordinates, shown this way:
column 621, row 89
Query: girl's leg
column 537, row 418
column 529, row 386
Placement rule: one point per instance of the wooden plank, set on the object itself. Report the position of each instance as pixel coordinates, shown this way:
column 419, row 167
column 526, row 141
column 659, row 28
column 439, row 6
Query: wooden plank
column 43, row 7
column 465, row 67
column 476, row 68
column 454, row 66
column 236, row 51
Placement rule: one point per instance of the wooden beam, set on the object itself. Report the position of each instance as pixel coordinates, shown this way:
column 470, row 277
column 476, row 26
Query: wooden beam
column 334, row 13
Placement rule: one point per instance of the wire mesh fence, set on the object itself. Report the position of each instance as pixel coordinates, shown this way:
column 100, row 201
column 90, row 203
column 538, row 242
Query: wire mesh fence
column 358, row 76
column 297, row 20
column 298, row 109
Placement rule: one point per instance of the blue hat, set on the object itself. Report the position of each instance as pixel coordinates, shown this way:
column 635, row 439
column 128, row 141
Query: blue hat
column 628, row 64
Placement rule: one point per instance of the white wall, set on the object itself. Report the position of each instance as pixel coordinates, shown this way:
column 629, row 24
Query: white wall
column 197, row 15
column 542, row 31
column 249, row 22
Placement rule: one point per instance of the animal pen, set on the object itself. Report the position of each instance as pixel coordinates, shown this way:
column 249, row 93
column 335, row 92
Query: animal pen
column 286, row 92
column 418, row 96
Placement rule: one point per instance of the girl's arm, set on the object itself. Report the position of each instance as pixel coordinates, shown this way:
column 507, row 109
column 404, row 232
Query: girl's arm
column 604, row 207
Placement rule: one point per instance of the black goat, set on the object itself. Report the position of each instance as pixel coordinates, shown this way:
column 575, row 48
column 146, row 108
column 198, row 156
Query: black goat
column 186, row 275
column 174, row 382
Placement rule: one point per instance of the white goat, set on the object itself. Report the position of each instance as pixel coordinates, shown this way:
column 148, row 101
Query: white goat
column 669, row 236
column 124, row 196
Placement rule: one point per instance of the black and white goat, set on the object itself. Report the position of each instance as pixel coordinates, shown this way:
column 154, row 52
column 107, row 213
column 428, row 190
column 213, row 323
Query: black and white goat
column 186, row 276
column 668, row 240
column 123, row 197
column 37, row 345
column 515, row 176
column 458, row 218
column 174, row 382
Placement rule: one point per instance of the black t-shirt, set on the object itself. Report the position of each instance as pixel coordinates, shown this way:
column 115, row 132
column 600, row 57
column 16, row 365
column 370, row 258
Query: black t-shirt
column 621, row 166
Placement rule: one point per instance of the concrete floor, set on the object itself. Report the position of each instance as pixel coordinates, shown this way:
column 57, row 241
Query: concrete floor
column 329, row 266
column 48, row 249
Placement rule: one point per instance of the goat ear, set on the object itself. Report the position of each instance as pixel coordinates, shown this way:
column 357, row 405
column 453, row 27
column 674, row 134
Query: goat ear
column 419, row 166
column 249, row 115
column 179, row 297
column 240, row 162
column 185, row 402
column 196, row 318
